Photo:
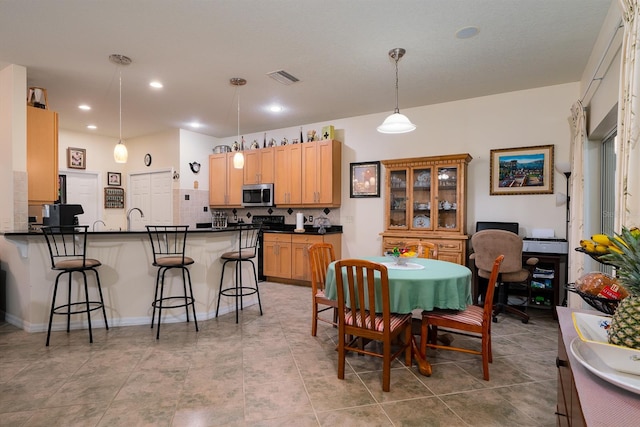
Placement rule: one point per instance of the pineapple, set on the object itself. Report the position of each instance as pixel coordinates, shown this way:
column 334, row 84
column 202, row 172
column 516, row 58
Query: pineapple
column 625, row 323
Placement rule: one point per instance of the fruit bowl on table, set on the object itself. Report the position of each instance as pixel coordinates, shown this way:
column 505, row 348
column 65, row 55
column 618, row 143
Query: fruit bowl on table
column 596, row 256
column 401, row 258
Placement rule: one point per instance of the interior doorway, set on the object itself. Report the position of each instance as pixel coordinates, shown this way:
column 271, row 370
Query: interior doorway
column 83, row 188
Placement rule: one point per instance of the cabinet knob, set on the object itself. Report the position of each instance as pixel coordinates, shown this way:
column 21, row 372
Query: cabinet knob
column 561, row 363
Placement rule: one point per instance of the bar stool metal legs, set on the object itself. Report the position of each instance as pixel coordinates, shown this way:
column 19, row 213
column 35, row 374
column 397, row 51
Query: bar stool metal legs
column 246, row 252
column 168, row 243
column 67, row 250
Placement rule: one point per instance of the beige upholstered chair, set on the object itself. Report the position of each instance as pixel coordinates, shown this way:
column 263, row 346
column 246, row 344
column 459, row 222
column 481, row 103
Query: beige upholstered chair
column 357, row 321
column 474, row 319
column 487, row 245
column 320, row 256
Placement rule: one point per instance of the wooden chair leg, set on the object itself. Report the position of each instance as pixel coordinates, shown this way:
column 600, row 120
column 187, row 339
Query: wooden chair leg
column 314, row 319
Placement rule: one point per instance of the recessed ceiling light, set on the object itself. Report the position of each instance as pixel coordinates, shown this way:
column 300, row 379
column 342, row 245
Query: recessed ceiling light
column 84, row 107
column 467, row 32
column 195, row 125
column 276, row 108
column 156, row 84
column 92, row 127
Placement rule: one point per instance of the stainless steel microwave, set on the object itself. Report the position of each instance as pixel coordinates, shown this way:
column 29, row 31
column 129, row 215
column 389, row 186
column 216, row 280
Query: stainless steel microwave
column 257, row 195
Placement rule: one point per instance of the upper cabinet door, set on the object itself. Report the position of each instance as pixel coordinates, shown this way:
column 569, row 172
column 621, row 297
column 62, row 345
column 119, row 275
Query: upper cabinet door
column 42, row 155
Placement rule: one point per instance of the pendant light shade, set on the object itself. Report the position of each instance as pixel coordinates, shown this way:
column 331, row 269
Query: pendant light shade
column 396, row 122
column 120, row 153
column 238, row 157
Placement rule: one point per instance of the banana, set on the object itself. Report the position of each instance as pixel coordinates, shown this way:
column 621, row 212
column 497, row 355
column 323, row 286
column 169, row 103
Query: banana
column 635, row 232
column 601, row 249
column 584, row 243
column 589, row 247
column 618, row 242
column 601, row 239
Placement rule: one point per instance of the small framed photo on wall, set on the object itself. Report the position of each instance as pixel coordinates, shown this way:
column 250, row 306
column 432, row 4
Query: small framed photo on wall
column 114, row 178
column 76, row 158
column 365, row 180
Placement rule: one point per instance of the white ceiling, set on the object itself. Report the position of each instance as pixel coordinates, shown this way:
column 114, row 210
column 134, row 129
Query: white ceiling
column 337, row 48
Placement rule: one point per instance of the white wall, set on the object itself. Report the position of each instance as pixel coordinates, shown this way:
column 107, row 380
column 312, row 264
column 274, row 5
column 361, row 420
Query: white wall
column 475, row 126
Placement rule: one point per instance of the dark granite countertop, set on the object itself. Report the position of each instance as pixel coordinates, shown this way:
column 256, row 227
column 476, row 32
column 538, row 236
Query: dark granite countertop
column 121, row 232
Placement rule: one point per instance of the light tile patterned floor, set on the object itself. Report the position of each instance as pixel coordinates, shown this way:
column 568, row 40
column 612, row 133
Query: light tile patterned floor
column 268, row 371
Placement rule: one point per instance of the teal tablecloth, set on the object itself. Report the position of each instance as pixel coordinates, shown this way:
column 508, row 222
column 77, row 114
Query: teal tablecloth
column 440, row 284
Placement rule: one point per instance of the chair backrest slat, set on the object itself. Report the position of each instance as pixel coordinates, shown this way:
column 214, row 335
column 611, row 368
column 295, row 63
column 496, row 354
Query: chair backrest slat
column 168, row 240
column 66, row 242
column 320, row 256
column 360, row 294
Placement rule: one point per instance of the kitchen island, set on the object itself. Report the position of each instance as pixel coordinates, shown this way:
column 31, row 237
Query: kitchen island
column 126, row 275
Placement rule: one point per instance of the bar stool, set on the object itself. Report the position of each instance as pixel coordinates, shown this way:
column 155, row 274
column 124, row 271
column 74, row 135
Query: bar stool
column 247, row 251
column 68, row 250
column 168, row 243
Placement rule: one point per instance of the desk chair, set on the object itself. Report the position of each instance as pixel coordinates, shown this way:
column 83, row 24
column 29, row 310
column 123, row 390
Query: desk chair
column 247, row 251
column 356, row 321
column 320, row 256
column 487, row 245
column 68, row 254
column 474, row 319
column 168, row 243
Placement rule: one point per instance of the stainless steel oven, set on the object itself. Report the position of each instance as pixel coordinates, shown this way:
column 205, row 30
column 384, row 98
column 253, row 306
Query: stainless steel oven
column 257, row 195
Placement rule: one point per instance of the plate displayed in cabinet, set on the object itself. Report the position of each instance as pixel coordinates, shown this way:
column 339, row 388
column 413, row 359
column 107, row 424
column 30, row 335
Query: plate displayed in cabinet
column 421, row 221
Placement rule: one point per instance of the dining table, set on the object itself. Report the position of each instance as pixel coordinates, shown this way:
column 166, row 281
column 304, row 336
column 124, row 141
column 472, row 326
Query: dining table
column 420, row 283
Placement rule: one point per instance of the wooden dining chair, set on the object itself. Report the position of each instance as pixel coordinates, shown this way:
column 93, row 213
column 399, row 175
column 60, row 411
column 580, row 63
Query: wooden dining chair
column 423, row 249
column 320, row 256
column 356, row 320
column 475, row 319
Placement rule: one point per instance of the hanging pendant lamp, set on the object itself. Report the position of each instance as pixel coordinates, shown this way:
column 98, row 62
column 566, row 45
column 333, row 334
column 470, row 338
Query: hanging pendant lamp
column 396, row 122
column 238, row 158
column 120, row 154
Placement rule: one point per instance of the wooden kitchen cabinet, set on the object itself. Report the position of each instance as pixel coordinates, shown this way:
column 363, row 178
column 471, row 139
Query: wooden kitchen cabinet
column 286, row 255
column 225, row 181
column 426, row 200
column 277, row 255
column 288, row 175
column 259, row 166
column 321, row 173
column 42, row 155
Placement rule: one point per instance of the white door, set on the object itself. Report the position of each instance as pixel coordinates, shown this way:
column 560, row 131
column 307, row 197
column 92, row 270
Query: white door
column 83, row 189
column 151, row 193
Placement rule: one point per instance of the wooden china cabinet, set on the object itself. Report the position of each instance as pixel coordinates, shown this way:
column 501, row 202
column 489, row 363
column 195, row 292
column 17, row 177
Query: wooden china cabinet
column 426, row 201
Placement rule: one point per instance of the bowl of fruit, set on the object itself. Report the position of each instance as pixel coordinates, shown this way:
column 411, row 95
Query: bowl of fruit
column 401, row 256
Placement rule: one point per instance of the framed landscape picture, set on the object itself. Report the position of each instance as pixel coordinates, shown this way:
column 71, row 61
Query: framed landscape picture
column 76, row 158
column 523, row 170
column 365, row 180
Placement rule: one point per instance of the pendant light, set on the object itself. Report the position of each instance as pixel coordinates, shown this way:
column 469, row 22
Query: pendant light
column 396, row 122
column 120, row 153
column 238, row 158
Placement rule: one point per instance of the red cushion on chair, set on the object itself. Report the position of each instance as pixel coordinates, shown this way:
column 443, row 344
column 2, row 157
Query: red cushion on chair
column 396, row 320
column 471, row 316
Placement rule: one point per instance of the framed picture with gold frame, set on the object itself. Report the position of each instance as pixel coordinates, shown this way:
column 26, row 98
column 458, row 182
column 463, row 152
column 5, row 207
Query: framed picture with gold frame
column 522, row 170
column 76, row 158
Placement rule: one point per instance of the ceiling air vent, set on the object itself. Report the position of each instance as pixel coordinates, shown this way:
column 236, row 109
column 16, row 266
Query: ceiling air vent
column 283, row 77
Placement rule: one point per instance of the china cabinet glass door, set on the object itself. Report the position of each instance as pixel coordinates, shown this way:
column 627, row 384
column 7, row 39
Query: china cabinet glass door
column 421, row 199
column 447, row 197
column 398, row 209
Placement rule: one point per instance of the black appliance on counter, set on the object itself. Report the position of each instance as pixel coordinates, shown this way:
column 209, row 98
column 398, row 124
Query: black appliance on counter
column 269, row 222
column 61, row 214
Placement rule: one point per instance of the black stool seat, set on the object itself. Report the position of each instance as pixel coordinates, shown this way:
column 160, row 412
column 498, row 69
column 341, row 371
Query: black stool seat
column 246, row 252
column 168, row 243
column 67, row 251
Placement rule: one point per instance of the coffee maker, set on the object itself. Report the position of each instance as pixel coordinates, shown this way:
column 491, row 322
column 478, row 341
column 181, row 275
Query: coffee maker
column 61, row 214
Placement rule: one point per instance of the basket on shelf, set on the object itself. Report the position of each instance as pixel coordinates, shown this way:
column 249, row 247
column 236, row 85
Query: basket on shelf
column 604, row 305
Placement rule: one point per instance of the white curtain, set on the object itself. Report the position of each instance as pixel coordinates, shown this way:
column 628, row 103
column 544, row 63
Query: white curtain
column 576, row 195
column 628, row 152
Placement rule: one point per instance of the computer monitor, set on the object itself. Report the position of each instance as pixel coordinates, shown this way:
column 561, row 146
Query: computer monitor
column 513, row 227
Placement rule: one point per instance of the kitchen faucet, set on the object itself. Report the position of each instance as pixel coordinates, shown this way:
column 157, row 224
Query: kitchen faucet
column 93, row 227
column 129, row 217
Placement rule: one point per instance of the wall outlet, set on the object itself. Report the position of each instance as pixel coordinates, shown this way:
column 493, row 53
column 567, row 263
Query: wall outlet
column 205, row 209
column 186, row 197
column 310, row 218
